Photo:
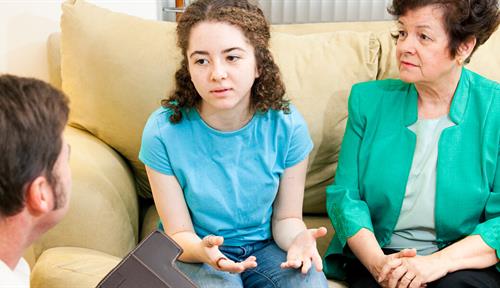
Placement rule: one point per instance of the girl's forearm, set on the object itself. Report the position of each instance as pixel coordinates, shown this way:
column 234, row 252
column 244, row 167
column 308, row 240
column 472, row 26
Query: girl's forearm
column 286, row 230
column 192, row 247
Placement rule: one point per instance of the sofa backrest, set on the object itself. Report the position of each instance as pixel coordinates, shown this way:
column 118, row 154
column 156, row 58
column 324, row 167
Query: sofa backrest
column 116, row 68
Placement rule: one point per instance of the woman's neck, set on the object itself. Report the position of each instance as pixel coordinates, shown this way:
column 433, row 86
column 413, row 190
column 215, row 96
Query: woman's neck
column 434, row 98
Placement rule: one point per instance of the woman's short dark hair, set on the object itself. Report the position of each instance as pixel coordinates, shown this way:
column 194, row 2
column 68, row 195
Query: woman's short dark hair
column 462, row 19
column 268, row 89
column 33, row 115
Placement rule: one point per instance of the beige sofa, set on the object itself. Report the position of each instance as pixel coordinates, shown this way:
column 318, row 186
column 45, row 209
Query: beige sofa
column 116, row 68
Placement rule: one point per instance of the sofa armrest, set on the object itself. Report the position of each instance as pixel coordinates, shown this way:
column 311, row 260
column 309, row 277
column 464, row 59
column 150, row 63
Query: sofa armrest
column 103, row 211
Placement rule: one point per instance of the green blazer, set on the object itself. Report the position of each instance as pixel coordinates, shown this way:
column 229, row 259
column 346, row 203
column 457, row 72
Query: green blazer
column 376, row 156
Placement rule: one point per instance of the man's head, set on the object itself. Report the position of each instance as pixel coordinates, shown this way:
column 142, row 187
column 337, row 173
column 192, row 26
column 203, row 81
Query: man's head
column 34, row 169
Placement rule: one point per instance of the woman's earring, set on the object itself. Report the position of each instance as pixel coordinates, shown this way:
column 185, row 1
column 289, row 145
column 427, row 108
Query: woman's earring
column 460, row 61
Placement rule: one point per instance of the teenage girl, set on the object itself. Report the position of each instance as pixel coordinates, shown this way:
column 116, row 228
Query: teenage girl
column 226, row 157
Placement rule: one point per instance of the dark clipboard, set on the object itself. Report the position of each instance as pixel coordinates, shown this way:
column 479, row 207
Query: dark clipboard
column 150, row 265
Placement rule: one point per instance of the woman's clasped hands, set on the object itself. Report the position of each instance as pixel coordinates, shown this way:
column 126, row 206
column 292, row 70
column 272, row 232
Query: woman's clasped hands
column 406, row 269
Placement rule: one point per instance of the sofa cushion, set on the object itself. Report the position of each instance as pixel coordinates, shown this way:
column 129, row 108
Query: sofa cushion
column 65, row 267
column 103, row 212
column 317, row 82
column 116, row 68
column 387, row 68
column 482, row 61
column 485, row 60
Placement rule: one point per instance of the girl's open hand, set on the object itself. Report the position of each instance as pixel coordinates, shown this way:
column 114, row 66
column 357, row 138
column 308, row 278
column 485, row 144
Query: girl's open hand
column 303, row 252
column 217, row 260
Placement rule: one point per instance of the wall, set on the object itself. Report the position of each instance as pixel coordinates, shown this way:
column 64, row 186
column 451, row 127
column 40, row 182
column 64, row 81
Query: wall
column 26, row 24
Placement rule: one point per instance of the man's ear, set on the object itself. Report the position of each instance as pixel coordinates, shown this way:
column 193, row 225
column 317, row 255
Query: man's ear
column 465, row 49
column 39, row 196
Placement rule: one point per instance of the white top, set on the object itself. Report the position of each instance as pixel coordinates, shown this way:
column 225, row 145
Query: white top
column 415, row 227
column 17, row 278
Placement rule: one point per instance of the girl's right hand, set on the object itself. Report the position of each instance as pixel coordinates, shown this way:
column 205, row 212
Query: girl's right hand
column 220, row 262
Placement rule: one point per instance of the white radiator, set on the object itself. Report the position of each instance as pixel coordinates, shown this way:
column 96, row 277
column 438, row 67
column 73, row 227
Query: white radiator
column 310, row 11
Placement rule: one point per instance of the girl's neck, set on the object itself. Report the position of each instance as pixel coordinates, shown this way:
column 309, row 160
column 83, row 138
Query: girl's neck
column 226, row 120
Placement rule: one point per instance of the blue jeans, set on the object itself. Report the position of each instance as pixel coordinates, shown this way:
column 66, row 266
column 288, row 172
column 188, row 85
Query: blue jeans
column 268, row 272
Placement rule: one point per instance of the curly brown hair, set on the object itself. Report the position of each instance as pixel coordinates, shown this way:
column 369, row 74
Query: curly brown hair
column 268, row 89
column 462, row 19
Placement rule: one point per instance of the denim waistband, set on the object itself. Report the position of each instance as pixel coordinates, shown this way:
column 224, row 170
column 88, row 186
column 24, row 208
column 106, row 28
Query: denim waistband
column 239, row 253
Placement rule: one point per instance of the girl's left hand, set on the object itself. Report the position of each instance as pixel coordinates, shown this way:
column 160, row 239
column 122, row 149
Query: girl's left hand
column 303, row 252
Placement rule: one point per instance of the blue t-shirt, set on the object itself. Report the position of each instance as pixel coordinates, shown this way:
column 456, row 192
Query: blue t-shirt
column 229, row 179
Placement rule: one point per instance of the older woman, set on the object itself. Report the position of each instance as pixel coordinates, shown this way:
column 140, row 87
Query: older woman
column 416, row 199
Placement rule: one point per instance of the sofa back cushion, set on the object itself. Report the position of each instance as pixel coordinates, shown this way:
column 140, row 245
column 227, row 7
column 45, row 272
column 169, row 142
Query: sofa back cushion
column 387, row 67
column 319, row 70
column 485, row 60
column 115, row 69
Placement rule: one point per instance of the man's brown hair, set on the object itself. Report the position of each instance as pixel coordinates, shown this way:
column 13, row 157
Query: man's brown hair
column 32, row 117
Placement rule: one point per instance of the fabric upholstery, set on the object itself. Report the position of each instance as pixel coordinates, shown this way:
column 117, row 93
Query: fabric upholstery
column 103, row 212
column 320, row 91
column 115, row 69
column 486, row 60
column 65, row 267
column 54, row 57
